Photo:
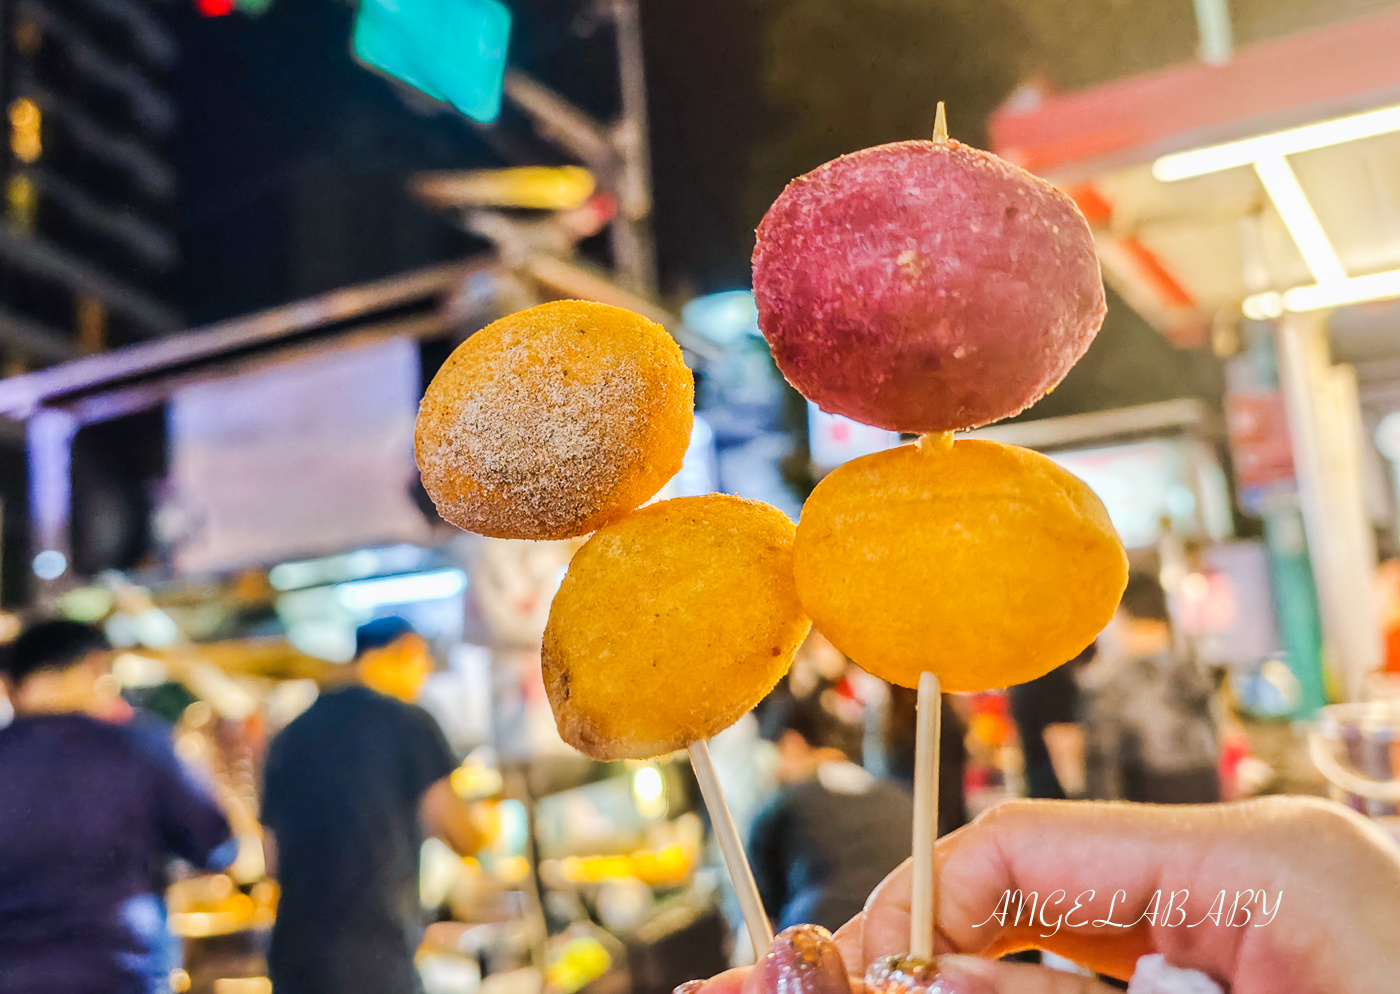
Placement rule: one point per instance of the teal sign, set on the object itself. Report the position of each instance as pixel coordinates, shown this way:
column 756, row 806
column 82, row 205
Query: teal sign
column 452, row 50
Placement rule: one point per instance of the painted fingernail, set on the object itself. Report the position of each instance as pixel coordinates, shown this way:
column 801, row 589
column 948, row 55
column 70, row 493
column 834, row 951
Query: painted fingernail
column 689, row 987
column 963, row 975
column 805, row 960
column 905, row 975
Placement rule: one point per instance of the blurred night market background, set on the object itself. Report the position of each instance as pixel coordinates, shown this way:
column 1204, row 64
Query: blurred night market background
column 233, row 254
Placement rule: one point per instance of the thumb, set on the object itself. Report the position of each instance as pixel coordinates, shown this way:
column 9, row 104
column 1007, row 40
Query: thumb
column 803, row 960
column 972, row 975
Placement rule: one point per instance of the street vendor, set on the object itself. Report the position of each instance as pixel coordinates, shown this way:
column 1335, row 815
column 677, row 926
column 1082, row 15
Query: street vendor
column 351, row 788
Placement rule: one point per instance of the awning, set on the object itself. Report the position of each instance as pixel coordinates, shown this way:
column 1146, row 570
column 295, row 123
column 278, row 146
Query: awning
column 1309, row 218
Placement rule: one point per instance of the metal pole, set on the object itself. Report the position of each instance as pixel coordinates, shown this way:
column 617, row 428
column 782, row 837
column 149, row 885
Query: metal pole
column 1213, row 23
column 634, row 248
column 1321, row 404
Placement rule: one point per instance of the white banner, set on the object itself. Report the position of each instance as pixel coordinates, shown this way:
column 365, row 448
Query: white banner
column 311, row 458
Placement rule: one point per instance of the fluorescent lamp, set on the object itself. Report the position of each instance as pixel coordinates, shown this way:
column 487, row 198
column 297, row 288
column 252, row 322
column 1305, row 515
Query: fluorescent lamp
column 350, row 566
column 410, row 588
column 1356, row 290
column 1298, row 216
column 1376, row 286
column 1230, row 155
column 1263, row 306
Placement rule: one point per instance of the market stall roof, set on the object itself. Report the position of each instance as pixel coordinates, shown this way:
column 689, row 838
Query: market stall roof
column 418, row 304
column 111, row 383
column 1294, row 202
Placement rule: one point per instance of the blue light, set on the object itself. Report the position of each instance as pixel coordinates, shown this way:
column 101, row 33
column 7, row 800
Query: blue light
column 50, row 564
column 724, row 318
column 410, row 588
column 452, row 50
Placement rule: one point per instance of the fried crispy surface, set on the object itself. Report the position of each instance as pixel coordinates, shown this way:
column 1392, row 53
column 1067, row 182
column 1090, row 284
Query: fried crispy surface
column 985, row 563
column 671, row 624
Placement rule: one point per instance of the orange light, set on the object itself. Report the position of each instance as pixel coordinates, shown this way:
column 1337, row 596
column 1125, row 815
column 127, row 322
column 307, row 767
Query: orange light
column 26, row 122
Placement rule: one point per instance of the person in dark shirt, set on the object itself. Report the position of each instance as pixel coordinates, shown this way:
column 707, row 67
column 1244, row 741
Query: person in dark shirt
column 1150, row 728
column 1046, row 711
column 833, row 831
column 91, row 812
column 350, row 787
column 900, row 732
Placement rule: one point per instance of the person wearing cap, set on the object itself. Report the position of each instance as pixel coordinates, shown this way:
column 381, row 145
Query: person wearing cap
column 92, row 811
column 350, row 789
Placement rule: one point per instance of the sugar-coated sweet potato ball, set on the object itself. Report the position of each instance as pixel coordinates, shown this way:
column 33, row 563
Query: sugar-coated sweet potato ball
column 925, row 286
column 671, row 623
column 554, row 420
column 984, row 563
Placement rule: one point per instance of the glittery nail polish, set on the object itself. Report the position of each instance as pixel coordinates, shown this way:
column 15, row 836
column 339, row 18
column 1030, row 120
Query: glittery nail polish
column 804, row 960
column 907, row 975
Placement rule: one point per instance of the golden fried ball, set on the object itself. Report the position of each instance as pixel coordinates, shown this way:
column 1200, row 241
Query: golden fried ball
column 985, row 563
column 553, row 421
column 671, row 624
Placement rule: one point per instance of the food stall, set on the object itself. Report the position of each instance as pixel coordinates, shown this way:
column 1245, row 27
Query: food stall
column 284, row 512
column 1249, row 207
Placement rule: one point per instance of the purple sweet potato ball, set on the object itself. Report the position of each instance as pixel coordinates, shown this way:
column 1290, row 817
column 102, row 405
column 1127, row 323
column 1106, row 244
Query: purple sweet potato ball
column 925, row 286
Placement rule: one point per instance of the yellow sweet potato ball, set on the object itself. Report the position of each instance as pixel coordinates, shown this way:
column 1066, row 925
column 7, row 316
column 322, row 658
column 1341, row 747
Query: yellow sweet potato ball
column 554, row 420
column 671, row 624
column 984, row 563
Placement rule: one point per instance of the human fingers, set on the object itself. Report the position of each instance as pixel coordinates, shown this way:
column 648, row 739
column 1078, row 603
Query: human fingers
column 850, row 942
column 1087, row 876
column 850, row 939
column 802, row 960
column 1113, row 856
column 728, row 982
column 973, row 975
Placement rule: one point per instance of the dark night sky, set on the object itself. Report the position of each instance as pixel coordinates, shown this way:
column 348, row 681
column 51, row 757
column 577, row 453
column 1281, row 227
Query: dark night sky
column 293, row 158
column 292, row 161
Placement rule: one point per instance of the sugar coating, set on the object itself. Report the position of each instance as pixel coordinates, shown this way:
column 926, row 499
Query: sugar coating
column 542, row 447
column 925, row 286
column 552, row 421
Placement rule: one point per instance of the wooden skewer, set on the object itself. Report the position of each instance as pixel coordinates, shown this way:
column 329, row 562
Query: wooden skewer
column 923, row 923
column 727, row 835
column 940, row 124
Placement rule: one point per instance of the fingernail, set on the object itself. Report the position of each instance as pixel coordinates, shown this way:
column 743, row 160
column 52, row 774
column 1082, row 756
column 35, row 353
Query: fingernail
column 946, row 975
column 963, row 975
column 689, row 987
column 804, row 960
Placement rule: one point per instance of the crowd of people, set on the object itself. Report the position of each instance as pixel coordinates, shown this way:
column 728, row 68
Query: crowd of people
column 95, row 808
